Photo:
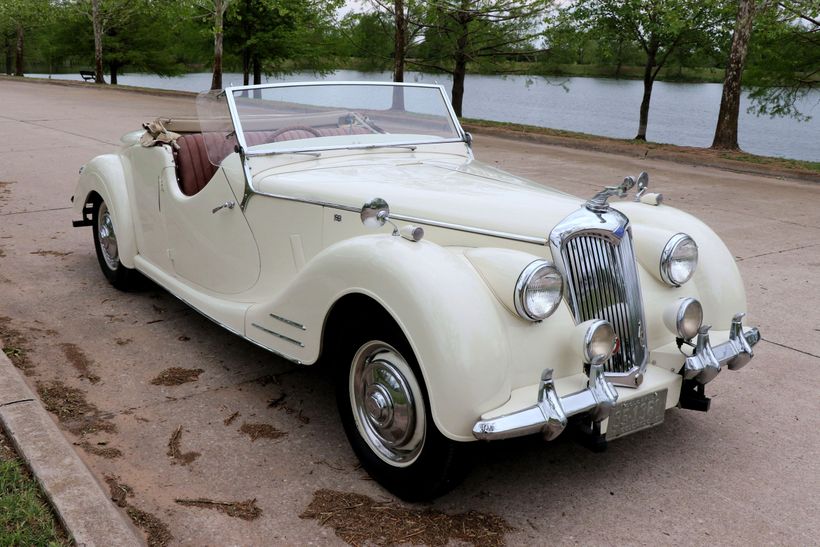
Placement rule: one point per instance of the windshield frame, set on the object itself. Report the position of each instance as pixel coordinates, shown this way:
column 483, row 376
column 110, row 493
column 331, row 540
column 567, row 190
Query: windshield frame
column 240, row 136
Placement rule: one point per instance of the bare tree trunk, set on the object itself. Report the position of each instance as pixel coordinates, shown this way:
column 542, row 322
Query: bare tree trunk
column 460, row 58
column 246, row 66
column 257, row 70
column 9, row 54
column 113, row 68
column 400, row 51
column 96, row 22
column 219, row 15
column 726, row 129
column 257, row 75
column 648, row 81
column 18, row 69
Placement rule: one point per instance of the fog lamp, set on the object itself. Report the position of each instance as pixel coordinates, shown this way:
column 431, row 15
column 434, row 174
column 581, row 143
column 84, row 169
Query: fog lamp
column 684, row 317
column 597, row 341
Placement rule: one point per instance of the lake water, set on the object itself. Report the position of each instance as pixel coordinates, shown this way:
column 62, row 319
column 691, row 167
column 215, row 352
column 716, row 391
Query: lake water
column 683, row 114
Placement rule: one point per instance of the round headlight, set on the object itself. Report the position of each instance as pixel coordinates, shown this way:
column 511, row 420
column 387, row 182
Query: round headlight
column 684, row 317
column 538, row 291
column 679, row 260
column 599, row 341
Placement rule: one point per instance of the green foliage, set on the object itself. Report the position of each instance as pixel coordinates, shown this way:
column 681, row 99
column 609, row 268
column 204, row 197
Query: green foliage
column 784, row 58
column 284, row 35
column 25, row 519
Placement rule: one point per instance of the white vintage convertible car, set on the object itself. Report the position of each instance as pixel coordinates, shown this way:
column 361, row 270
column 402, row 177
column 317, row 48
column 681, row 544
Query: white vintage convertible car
column 477, row 305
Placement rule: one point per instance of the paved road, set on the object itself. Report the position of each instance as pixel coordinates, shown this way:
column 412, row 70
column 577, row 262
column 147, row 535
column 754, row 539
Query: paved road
column 747, row 472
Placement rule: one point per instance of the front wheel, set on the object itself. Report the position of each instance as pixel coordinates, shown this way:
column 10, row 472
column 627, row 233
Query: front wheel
column 105, row 243
column 386, row 414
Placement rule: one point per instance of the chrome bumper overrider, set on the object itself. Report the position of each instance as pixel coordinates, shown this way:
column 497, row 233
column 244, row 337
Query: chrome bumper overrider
column 549, row 415
column 706, row 361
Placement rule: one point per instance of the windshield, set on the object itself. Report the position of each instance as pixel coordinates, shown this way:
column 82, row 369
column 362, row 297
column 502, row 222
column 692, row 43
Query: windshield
column 303, row 117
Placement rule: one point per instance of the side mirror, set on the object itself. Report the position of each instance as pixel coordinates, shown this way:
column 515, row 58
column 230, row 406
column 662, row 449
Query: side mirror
column 375, row 213
column 468, row 138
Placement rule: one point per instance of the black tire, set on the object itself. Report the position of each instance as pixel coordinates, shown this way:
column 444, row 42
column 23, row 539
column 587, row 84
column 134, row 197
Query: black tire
column 434, row 467
column 105, row 243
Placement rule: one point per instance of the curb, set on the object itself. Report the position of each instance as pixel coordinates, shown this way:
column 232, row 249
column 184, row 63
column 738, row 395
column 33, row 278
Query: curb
column 81, row 504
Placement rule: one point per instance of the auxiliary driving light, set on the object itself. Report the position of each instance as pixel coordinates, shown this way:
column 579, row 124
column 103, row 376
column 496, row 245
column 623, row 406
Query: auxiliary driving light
column 597, row 341
column 684, row 317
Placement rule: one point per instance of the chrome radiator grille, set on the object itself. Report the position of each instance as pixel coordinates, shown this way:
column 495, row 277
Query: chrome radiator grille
column 602, row 283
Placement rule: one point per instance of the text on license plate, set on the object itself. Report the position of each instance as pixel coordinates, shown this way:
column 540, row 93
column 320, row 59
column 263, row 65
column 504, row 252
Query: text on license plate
column 636, row 414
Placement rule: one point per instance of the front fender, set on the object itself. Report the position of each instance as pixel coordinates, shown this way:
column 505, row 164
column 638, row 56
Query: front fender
column 105, row 175
column 450, row 317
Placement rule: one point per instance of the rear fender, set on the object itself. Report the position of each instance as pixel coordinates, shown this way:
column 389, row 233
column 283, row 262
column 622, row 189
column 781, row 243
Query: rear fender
column 105, row 176
column 450, row 317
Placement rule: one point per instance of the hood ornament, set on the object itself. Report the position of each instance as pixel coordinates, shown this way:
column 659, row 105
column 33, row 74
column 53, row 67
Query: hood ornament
column 598, row 203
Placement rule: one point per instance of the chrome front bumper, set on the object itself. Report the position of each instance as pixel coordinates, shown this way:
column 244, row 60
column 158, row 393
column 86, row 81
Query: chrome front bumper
column 549, row 415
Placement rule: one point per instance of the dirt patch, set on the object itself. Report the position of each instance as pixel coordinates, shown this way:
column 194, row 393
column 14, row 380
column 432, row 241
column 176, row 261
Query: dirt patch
column 15, row 346
column 5, row 190
column 245, row 510
column 101, row 450
column 157, row 531
column 42, row 252
column 120, row 492
column 175, row 376
column 123, row 341
column 80, row 361
column 2, row 253
column 72, row 409
column 358, row 519
column 261, row 431
column 229, row 420
column 175, row 452
column 279, row 403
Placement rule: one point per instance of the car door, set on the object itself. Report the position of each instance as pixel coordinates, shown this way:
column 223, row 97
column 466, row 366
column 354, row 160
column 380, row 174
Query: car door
column 210, row 243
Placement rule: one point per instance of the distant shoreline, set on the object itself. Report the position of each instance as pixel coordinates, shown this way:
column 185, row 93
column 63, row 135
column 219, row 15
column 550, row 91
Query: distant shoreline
column 732, row 161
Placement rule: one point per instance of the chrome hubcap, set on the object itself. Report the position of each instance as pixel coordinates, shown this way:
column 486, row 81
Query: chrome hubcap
column 388, row 404
column 107, row 237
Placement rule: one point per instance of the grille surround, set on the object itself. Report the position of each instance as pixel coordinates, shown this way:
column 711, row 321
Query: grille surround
column 594, row 253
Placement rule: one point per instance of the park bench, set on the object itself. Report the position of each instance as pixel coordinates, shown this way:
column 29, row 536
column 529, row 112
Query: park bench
column 88, row 75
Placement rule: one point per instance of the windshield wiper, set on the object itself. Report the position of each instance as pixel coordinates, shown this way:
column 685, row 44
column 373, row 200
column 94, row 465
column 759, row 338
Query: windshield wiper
column 411, row 147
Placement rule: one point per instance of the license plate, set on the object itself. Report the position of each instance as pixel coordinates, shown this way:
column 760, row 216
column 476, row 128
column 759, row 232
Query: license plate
column 636, row 414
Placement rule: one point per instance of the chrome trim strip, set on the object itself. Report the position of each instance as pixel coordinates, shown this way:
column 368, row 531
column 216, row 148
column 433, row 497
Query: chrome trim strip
column 282, row 336
column 288, row 321
column 470, row 229
column 415, row 220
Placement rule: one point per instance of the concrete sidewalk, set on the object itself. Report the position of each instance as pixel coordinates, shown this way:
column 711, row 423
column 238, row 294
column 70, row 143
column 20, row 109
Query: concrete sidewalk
column 747, row 472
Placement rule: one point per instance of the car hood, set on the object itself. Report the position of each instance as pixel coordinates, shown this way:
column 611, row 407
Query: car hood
column 426, row 187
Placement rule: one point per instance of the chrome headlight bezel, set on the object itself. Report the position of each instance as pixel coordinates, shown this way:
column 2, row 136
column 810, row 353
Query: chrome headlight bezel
column 534, row 271
column 672, row 247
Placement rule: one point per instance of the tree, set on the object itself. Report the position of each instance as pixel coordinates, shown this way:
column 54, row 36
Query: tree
column 20, row 16
column 458, row 32
column 784, row 58
column 214, row 10
column 726, row 128
column 659, row 27
column 278, row 35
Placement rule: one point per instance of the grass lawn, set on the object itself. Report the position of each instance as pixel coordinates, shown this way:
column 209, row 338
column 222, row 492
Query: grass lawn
column 25, row 516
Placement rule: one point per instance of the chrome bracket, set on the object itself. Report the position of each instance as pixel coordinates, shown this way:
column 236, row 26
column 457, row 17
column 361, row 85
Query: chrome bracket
column 555, row 420
column 705, row 363
column 702, row 366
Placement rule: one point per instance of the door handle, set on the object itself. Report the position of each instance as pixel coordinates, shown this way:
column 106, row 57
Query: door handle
column 227, row 204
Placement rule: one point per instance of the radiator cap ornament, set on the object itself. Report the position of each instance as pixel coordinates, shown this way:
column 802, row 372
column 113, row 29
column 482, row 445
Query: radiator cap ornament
column 598, row 203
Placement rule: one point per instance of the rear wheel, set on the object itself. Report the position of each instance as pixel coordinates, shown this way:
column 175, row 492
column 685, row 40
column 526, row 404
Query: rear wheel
column 386, row 414
column 105, row 243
